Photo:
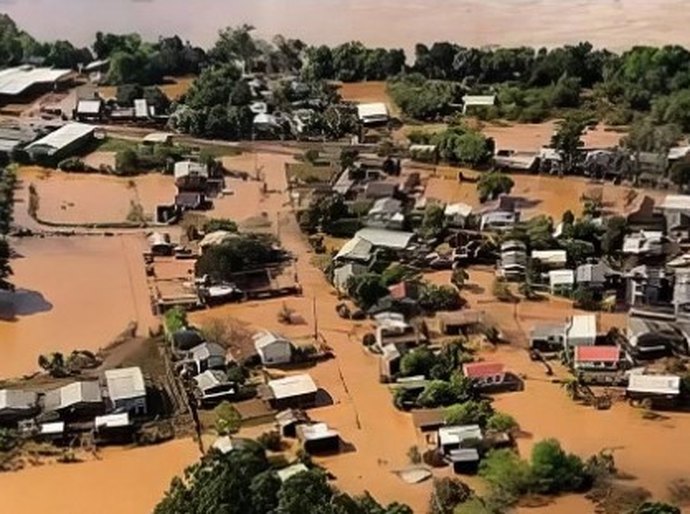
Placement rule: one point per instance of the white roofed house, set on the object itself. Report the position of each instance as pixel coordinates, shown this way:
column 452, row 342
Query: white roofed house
column 457, row 214
column 390, row 239
column 273, row 349
column 356, row 249
column 126, row 390
column 644, row 243
column 552, row 259
column 213, row 386
column 386, row 213
column 581, row 330
column 89, row 109
column 295, row 391
column 373, row 113
column 477, row 101
column 22, row 82
column 191, row 176
column 561, row 281
column 205, row 356
column 653, row 388
column 61, row 143
column 318, row 438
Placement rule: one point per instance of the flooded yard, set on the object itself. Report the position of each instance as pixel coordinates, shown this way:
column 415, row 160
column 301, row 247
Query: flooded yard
column 72, row 293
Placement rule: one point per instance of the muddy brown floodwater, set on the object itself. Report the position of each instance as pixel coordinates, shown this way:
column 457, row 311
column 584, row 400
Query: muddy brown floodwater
column 130, row 481
column 73, row 293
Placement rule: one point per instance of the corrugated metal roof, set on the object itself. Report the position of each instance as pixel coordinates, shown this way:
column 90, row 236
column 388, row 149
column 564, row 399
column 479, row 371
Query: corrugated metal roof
column 63, row 136
column 112, row 420
column 458, row 434
column 72, row 394
column 210, row 378
column 357, row 248
column 190, row 168
column 483, row 369
column 654, row 384
column 89, row 106
column 14, row 81
column 125, row 383
column 295, row 385
column 597, row 354
column 16, row 399
column 372, row 110
column 393, row 239
column 550, row 256
column 264, row 339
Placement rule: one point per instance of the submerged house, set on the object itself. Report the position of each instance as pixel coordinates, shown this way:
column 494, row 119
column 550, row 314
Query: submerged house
column 653, row 387
column 459, row 445
column 457, row 214
column 596, row 358
column 213, row 386
column 581, row 330
column 75, row 400
column 318, row 438
column 373, row 114
column 126, row 390
column 485, row 374
column 205, row 356
column 272, row 349
column 16, row 405
column 191, row 176
column 386, row 213
column 651, row 339
column 296, row 391
column 61, row 143
column 548, row 338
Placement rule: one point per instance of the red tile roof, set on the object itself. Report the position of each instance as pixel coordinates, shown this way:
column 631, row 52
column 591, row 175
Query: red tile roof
column 597, row 354
column 483, row 369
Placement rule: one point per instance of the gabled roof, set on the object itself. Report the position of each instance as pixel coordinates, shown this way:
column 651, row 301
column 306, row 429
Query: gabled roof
column 125, row 383
column 315, row 432
column 62, row 137
column 288, row 387
column 264, row 339
column 482, row 369
column 17, row 400
column 290, row 416
column 372, row 110
column 207, row 350
column 597, row 354
column 554, row 257
column 14, row 81
column 357, row 248
column 73, row 394
column 458, row 433
column 210, row 378
column 386, row 206
column 596, row 273
column 89, row 106
column 654, row 384
column 394, row 239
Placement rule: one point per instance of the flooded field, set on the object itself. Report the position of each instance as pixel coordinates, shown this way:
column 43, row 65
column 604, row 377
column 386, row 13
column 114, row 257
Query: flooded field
column 130, row 481
column 73, row 293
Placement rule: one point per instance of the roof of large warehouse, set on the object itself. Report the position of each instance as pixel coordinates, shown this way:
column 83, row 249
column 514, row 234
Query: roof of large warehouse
column 14, row 81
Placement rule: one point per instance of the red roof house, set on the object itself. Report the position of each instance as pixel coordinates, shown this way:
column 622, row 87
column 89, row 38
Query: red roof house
column 596, row 357
column 483, row 370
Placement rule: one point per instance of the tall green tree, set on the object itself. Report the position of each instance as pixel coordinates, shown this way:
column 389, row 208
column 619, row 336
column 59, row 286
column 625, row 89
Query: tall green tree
column 567, row 140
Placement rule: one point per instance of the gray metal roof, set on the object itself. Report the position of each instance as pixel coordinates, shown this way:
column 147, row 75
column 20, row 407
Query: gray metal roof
column 394, row 239
column 62, row 137
column 291, row 386
column 17, row 399
column 125, row 383
column 14, row 81
column 210, row 378
column 73, row 394
column 207, row 350
column 357, row 248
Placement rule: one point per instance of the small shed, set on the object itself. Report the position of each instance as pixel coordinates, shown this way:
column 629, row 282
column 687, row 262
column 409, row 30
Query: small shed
column 318, row 438
column 648, row 386
column 160, row 244
column 114, row 429
column 464, row 460
column 78, row 399
column 456, row 214
column 213, row 386
column 296, row 391
column 207, row 356
column 272, row 348
column 375, row 113
column 553, row 259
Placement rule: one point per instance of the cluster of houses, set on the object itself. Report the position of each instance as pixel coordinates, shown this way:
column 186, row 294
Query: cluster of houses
column 108, row 408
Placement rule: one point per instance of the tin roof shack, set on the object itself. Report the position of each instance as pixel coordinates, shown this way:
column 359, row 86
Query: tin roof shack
column 288, row 420
column 290, row 471
column 597, row 276
column 461, row 322
column 596, row 358
column 458, row 444
column 23, row 83
column 114, row 429
column 652, row 339
column 581, row 330
column 373, row 114
column 318, row 438
column 428, row 420
column 16, row 405
column 272, row 348
column 61, row 143
column 203, row 357
column 561, row 281
column 126, row 390
column 296, row 391
column 191, row 176
column 88, row 109
column 212, row 387
column 477, row 101
column 548, row 339
column 511, row 160
column 386, row 213
column 653, row 390
column 357, row 250
column 76, row 401
column 457, row 214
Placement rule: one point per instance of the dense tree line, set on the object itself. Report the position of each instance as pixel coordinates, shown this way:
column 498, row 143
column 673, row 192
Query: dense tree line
column 243, row 482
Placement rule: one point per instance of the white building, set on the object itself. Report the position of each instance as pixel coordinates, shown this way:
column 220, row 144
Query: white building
column 561, row 281
column 126, row 389
column 272, row 348
column 581, row 330
column 550, row 258
column 373, row 113
column 386, row 213
column 456, row 214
